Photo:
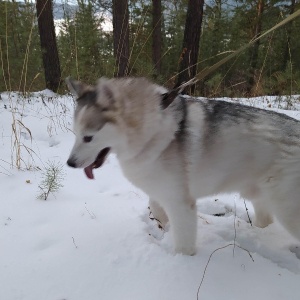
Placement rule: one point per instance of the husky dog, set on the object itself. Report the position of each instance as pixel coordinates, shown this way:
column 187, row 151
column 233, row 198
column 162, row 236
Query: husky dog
column 178, row 149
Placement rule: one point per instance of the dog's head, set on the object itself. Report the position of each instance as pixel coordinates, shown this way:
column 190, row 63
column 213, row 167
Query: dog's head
column 115, row 114
column 94, row 125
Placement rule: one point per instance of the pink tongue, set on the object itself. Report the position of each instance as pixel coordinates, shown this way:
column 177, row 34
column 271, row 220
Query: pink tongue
column 89, row 172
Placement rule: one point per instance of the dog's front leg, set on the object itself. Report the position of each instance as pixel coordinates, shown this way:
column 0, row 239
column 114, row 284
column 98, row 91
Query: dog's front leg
column 182, row 216
column 158, row 213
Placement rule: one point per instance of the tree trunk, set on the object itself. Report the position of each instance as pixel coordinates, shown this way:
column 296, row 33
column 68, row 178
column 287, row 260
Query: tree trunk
column 191, row 39
column 121, row 36
column 286, row 53
column 156, row 35
column 48, row 44
column 255, row 48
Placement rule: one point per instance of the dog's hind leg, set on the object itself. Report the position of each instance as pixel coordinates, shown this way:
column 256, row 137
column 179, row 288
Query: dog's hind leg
column 158, row 213
column 287, row 212
column 183, row 225
column 263, row 216
column 290, row 219
column 259, row 199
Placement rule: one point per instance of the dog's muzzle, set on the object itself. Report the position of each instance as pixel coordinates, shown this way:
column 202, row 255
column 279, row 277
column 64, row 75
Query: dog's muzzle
column 71, row 162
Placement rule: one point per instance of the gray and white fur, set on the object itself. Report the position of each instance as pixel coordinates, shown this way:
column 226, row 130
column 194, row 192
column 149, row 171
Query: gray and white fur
column 188, row 149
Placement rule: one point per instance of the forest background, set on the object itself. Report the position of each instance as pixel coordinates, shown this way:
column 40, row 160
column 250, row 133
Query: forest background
column 85, row 44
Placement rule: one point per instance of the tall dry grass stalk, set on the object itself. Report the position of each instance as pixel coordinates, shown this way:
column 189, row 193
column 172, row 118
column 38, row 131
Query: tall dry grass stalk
column 17, row 106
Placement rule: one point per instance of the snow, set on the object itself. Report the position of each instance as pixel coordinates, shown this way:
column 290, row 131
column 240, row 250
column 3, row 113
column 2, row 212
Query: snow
column 93, row 239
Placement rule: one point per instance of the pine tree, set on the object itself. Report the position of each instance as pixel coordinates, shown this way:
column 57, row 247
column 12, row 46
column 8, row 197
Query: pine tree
column 121, row 36
column 19, row 47
column 156, row 35
column 191, row 40
column 48, row 44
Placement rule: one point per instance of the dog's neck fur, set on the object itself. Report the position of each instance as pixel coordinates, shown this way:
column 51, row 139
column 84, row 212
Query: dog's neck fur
column 168, row 128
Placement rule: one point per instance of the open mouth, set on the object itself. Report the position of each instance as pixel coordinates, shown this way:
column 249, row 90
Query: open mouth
column 97, row 163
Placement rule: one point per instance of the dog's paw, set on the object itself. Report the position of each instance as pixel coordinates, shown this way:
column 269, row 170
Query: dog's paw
column 156, row 213
column 152, row 227
column 186, row 250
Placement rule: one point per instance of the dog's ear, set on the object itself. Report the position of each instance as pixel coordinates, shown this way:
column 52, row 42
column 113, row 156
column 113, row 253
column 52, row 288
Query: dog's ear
column 105, row 91
column 76, row 87
column 168, row 98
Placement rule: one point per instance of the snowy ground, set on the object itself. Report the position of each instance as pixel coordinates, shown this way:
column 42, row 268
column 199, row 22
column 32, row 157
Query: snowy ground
column 93, row 239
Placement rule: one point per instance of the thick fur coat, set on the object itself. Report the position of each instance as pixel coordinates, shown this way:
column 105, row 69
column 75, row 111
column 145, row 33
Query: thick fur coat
column 188, row 149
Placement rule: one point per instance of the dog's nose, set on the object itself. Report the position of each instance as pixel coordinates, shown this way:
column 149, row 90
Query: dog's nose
column 71, row 163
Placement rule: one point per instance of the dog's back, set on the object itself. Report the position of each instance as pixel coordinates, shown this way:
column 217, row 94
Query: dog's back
column 247, row 150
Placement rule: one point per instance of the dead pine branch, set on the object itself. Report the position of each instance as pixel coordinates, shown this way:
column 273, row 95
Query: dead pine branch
column 74, row 243
column 234, row 226
column 247, row 211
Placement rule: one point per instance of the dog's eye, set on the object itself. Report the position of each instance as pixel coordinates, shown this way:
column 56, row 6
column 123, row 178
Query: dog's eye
column 87, row 138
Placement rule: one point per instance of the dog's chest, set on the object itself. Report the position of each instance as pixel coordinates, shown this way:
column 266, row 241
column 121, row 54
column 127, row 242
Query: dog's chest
column 155, row 178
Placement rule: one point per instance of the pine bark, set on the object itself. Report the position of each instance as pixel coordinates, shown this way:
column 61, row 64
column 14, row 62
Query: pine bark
column 255, row 48
column 191, row 40
column 48, row 44
column 289, row 26
column 121, row 36
column 156, row 35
